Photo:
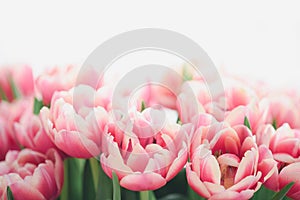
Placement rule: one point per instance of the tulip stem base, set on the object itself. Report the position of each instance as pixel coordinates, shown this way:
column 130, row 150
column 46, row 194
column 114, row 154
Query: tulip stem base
column 147, row 195
column 144, row 195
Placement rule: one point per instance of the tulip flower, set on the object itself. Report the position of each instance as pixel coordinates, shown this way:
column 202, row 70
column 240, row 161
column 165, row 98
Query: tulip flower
column 281, row 108
column 31, row 175
column 284, row 143
column 256, row 116
column 192, row 99
column 10, row 112
column 7, row 142
column 217, row 102
column 165, row 94
column 30, row 133
column 225, row 162
column 76, row 120
column 14, row 81
column 145, row 150
column 56, row 79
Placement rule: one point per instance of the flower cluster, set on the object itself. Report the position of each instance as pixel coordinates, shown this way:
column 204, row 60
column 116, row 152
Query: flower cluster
column 230, row 143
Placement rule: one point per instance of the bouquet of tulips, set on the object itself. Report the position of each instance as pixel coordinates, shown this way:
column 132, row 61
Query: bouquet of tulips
column 64, row 137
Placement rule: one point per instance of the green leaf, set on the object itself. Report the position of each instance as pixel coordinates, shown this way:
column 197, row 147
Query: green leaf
column 281, row 194
column 186, row 75
column 128, row 194
column 174, row 197
column 143, row 106
column 3, row 95
column 274, row 124
column 116, row 187
column 105, row 186
column 262, row 193
column 37, row 106
column 9, row 194
column 172, row 186
column 178, row 121
column 88, row 182
column 15, row 91
column 246, row 122
column 73, row 179
column 193, row 195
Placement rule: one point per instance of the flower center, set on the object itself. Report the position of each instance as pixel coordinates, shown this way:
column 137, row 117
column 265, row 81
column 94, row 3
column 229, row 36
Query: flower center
column 227, row 175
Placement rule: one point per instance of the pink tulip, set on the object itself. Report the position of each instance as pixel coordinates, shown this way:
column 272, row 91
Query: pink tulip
column 226, row 162
column 56, row 79
column 284, row 144
column 165, row 94
column 217, row 102
column 76, row 120
column 255, row 115
column 144, row 150
column 7, row 142
column 282, row 108
column 11, row 112
column 20, row 76
column 31, row 175
column 30, row 133
column 192, row 99
column 153, row 95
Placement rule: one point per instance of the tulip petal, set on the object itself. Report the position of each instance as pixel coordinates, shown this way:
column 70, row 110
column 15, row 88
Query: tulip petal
column 229, row 195
column 23, row 190
column 246, row 166
column 138, row 159
column 177, row 165
column 142, row 181
column 246, row 183
column 195, row 183
column 214, row 188
column 229, row 160
column 75, row 144
column 288, row 174
column 210, row 170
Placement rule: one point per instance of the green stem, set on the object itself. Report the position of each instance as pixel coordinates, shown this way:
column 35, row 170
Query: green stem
column 144, row 195
column 64, row 193
column 95, row 166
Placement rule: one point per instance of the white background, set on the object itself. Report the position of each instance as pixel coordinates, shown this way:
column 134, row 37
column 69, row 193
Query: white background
column 257, row 39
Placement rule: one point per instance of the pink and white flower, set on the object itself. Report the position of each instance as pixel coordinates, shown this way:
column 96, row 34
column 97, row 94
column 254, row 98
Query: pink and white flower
column 31, row 175
column 76, row 120
column 144, row 153
column 30, row 133
column 56, row 79
column 282, row 108
column 19, row 76
column 225, row 162
column 11, row 112
column 284, row 143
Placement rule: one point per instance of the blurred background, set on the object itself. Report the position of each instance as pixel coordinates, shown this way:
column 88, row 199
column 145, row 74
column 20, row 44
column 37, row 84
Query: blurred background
column 259, row 40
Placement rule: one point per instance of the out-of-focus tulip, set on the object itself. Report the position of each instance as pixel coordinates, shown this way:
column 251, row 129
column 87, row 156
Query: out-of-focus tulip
column 18, row 78
column 56, row 79
column 281, row 108
column 30, row 133
column 76, row 120
column 7, row 142
column 284, row 143
column 196, row 97
column 31, row 175
column 11, row 112
column 144, row 150
column 225, row 162
column 255, row 115
column 165, row 94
